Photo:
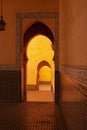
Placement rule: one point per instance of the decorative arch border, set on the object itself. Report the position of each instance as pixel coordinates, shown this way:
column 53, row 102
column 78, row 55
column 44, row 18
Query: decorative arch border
column 19, row 19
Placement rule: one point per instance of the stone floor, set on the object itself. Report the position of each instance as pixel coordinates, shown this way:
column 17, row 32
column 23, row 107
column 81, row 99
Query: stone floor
column 40, row 95
column 31, row 116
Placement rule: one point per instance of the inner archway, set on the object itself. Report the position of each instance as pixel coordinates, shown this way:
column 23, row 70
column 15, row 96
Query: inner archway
column 44, row 76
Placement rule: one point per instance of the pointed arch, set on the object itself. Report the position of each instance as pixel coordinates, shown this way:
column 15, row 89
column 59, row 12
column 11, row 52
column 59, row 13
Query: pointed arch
column 43, row 63
column 40, row 65
column 35, row 29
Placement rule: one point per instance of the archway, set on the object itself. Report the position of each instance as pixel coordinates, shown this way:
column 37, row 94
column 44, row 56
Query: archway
column 31, row 35
column 44, row 76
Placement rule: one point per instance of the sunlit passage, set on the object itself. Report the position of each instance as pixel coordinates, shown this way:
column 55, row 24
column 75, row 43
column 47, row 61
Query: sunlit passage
column 45, row 73
column 40, row 69
column 45, row 78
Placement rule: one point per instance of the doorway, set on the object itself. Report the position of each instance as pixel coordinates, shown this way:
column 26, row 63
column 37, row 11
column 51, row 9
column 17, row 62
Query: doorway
column 39, row 65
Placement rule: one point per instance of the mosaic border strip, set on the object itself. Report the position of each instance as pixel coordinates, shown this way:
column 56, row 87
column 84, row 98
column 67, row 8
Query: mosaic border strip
column 78, row 73
column 19, row 18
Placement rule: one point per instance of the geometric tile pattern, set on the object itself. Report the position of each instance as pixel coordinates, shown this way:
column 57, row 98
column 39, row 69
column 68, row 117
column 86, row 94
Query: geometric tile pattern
column 31, row 116
column 10, row 86
column 78, row 73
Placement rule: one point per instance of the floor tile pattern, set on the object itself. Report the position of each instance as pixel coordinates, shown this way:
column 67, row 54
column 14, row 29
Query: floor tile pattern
column 31, row 116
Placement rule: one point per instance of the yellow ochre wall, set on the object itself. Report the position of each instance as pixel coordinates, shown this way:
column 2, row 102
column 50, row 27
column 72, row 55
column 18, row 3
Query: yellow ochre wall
column 10, row 9
column 73, row 32
column 39, row 49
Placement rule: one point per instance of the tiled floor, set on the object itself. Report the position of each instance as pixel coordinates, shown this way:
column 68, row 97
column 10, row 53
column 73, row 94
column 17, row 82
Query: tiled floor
column 31, row 116
column 43, row 94
column 45, row 86
column 40, row 95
